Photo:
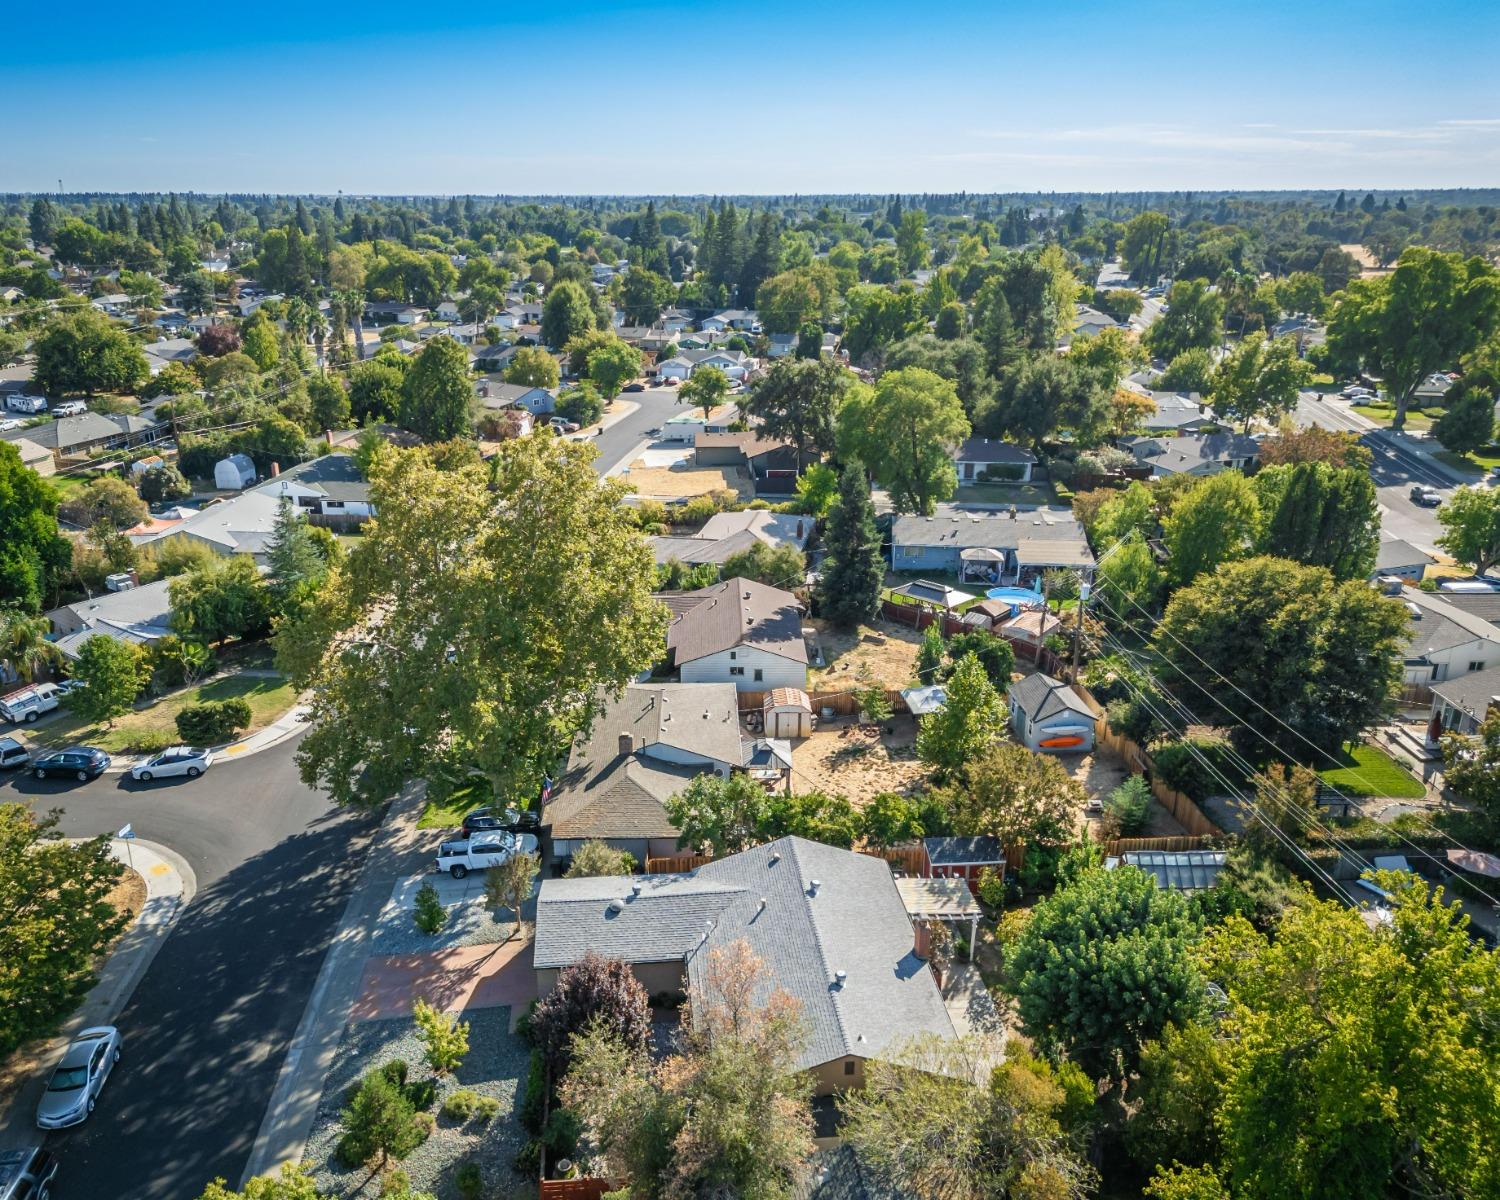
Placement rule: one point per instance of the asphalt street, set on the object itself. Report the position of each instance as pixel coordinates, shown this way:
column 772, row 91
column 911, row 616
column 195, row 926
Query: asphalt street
column 207, row 1027
column 619, row 443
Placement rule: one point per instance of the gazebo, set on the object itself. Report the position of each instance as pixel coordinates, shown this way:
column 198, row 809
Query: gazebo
column 935, row 595
column 946, row 900
column 980, row 564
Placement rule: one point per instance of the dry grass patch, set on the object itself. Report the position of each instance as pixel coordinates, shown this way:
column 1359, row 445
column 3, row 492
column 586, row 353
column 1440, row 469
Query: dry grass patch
column 859, row 761
column 882, row 652
column 667, row 483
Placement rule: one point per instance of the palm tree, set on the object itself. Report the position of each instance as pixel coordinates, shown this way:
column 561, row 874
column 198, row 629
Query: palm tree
column 24, row 647
column 319, row 325
column 354, row 303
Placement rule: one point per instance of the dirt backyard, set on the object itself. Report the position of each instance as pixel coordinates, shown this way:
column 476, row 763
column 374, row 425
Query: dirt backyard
column 673, row 483
column 881, row 652
column 1103, row 771
column 858, row 761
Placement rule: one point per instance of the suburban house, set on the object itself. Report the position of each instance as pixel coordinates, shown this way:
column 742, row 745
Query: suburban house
column 772, row 464
column 651, row 338
column 731, row 533
column 77, row 435
column 639, row 752
column 1444, row 641
column 330, row 486
column 499, row 394
column 734, row 363
column 978, row 458
column 739, row 632
column 492, row 358
column 241, row 525
column 1461, row 705
column 1090, row 322
column 780, row 345
column 38, row 458
column 139, row 615
column 1048, row 715
column 160, row 355
column 393, row 312
column 249, row 302
column 447, row 311
column 702, row 339
column 689, row 426
column 1194, row 454
column 740, row 320
column 1177, row 413
column 831, row 926
column 990, row 547
column 1401, row 560
column 117, row 304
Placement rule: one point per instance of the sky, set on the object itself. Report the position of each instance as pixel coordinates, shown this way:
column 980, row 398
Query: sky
column 766, row 97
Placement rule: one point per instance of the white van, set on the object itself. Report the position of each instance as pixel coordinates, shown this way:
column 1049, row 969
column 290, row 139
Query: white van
column 70, row 408
column 29, row 703
column 22, row 403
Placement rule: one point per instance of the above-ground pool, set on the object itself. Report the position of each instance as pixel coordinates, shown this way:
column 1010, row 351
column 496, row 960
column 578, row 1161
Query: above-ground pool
column 1016, row 597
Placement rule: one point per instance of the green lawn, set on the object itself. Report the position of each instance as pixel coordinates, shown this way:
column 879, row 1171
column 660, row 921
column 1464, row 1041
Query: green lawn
column 1005, row 493
column 1370, row 771
column 1382, row 413
column 449, row 814
column 1468, row 464
column 268, row 699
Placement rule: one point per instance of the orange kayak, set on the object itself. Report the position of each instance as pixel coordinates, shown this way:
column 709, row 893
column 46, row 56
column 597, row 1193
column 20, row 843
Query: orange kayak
column 1060, row 743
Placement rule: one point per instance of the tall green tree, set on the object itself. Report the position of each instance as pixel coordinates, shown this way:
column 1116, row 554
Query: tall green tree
column 1471, row 527
column 294, row 563
column 969, row 722
column 86, row 352
column 219, row 599
column 1215, row 521
column 1320, row 515
column 1194, row 320
column 24, row 644
column 612, row 366
column 911, row 240
column 531, row 366
column 1017, row 796
column 642, row 295
column 718, row 814
column 113, row 673
column 1146, row 248
column 1259, row 380
column 905, row 429
column 1282, row 654
column 853, row 571
column 706, row 388
column 797, row 401
column 33, row 554
column 1433, row 309
column 1104, row 966
column 437, row 395
column 512, row 600
column 58, row 921
column 567, row 313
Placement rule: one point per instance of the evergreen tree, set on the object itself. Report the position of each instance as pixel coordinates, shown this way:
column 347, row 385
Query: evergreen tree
column 296, row 566
column 764, row 259
column 650, row 246
column 854, row 570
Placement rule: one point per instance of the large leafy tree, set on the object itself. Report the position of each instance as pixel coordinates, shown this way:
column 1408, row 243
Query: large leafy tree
column 219, row 599
column 32, row 551
column 1215, row 521
column 1471, row 527
column 58, row 920
column 533, row 367
column 1471, row 767
column 1259, row 379
column 478, row 624
column 437, row 396
column 1105, row 965
column 294, row 562
column 1017, row 796
column 853, row 571
column 612, row 366
column 706, row 388
column 295, row 1182
column 1194, row 320
column 24, row 645
column 1282, row 652
column 718, row 814
column 1321, row 516
column 86, row 352
column 568, row 313
column 970, row 721
column 1314, row 444
column 904, row 429
column 1147, row 246
column 1329, row 1092
column 782, row 566
column 642, row 295
column 113, row 673
column 797, row 401
column 1433, row 309
column 593, row 990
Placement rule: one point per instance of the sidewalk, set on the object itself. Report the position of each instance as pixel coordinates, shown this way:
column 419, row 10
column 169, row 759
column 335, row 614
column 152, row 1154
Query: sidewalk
column 399, row 849
column 289, row 724
column 170, row 887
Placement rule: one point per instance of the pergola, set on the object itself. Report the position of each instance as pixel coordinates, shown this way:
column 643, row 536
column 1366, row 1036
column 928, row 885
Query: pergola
column 941, row 900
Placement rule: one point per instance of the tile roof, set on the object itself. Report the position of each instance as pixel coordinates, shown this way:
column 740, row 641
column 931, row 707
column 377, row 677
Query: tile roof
column 738, row 612
column 1040, row 696
column 854, row 922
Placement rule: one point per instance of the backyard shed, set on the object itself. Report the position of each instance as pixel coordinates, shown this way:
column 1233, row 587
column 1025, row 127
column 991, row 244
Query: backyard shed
column 788, row 713
column 1049, row 715
column 234, row 473
column 962, row 857
column 924, row 701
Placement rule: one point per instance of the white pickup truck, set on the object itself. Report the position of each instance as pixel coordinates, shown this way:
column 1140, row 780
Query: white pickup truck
column 29, row 703
column 482, row 851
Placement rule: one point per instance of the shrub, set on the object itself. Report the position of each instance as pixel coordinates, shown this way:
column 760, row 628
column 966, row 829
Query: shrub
column 429, row 913
column 695, row 511
column 422, row 1093
column 468, row 1181
column 594, row 990
column 1130, row 804
column 149, row 742
column 874, row 704
column 425, row 1124
column 528, row 1160
column 379, row 1123
column 486, row 1108
column 396, row 1071
column 650, row 512
column 600, row 858
column 213, row 721
column 445, row 1039
column 991, row 887
column 534, row 1095
column 460, row 1105
column 561, row 1135
column 1192, row 766
column 1001, row 473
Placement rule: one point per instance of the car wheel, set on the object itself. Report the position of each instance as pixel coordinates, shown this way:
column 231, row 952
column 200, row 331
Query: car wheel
column 144, row 776
column 91, row 1107
column 31, row 718
column 458, row 872
column 40, row 774
column 193, row 772
column 117, row 1054
column 83, row 776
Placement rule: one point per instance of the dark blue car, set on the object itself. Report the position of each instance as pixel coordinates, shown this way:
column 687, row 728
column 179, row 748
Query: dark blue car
column 81, row 762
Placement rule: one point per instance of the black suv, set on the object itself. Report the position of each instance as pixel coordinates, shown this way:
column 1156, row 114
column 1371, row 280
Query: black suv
column 512, row 820
column 82, row 762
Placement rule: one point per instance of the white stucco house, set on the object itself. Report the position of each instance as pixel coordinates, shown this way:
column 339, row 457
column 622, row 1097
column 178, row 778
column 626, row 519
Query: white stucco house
column 738, row 632
column 734, row 363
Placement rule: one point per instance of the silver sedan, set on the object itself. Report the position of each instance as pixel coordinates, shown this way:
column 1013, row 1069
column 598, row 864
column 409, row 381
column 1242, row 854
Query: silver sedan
column 77, row 1080
column 191, row 761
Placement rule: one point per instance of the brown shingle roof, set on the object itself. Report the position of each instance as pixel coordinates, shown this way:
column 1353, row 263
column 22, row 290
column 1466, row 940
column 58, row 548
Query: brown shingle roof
column 738, row 612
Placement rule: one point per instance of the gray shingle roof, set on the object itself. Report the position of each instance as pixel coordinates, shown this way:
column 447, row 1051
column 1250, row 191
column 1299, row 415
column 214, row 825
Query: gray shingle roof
column 1040, row 696
column 963, row 851
column 1395, row 553
column 1472, row 692
column 1187, row 453
column 738, row 612
column 85, row 429
column 1437, row 625
column 1484, row 605
column 335, row 475
column 1040, row 536
column 993, row 450
column 855, row 923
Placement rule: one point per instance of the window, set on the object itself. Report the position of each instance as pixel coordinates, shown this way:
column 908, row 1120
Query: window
column 736, row 670
column 759, row 675
column 1476, row 666
column 733, row 653
column 848, row 1066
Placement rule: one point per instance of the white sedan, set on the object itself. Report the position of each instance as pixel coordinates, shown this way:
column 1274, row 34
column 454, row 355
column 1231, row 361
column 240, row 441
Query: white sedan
column 179, row 760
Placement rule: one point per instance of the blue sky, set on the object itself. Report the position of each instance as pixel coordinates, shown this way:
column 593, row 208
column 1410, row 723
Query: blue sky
column 764, row 97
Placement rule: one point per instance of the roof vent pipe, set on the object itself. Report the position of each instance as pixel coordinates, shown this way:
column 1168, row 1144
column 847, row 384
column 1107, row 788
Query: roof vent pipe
column 839, row 977
column 813, row 885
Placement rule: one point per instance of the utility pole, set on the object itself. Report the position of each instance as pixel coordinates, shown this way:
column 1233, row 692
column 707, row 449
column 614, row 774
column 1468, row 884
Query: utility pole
column 1083, row 599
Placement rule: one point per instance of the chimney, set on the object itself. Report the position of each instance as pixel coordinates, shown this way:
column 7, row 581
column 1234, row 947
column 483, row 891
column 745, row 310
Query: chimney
column 275, row 469
column 921, row 940
column 627, row 743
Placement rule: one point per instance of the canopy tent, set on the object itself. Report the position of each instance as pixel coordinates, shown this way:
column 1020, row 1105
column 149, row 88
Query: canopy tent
column 938, row 595
column 981, row 564
column 1476, row 861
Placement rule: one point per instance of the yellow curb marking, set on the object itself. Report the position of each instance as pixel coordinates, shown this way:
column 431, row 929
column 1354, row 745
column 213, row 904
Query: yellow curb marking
column 160, row 869
column 233, row 750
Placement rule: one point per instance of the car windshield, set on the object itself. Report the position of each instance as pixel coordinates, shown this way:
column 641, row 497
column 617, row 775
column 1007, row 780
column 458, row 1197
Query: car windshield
column 68, row 1079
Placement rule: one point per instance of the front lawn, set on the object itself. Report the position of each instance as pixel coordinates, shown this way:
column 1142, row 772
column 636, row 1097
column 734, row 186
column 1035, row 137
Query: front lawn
column 449, row 813
column 1480, row 460
column 1370, row 771
column 1381, row 414
column 268, row 698
column 1005, row 493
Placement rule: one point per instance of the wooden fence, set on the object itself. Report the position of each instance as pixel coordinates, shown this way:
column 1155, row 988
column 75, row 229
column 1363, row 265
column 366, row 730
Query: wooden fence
column 1120, row 846
column 675, row 864
column 338, row 522
column 845, row 703
column 920, row 617
column 588, row 1188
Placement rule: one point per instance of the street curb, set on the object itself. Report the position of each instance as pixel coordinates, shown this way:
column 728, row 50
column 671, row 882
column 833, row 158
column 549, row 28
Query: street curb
column 291, row 723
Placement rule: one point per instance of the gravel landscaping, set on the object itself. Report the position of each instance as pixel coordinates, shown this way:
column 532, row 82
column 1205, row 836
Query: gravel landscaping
column 470, row 923
column 495, row 1066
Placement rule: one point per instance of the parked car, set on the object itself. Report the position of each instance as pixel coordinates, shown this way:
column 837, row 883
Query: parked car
column 7, row 425
column 66, row 687
column 84, row 762
column 29, row 703
column 13, row 754
column 27, row 1174
column 483, row 851
column 191, row 761
column 511, row 820
column 79, row 1077
column 1427, row 497
column 634, row 387
column 70, row 408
